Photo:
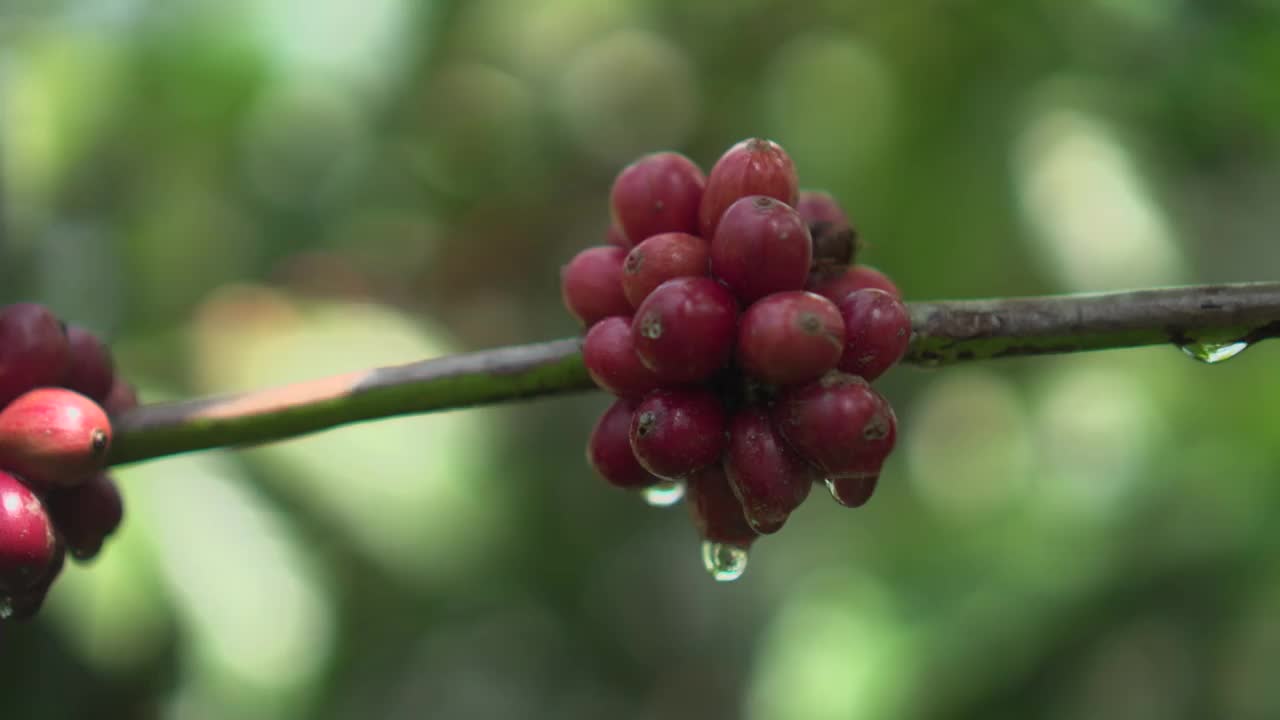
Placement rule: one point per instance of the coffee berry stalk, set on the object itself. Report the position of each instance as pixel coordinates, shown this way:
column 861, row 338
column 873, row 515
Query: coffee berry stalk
column 58, row 389
column 725, row 314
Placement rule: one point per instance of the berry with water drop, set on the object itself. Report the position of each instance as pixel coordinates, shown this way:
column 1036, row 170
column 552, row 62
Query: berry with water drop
column 27, row 539
column 769, row 479
column 839, row 424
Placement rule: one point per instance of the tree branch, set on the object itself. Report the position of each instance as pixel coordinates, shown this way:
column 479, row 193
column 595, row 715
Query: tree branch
column 943, row 332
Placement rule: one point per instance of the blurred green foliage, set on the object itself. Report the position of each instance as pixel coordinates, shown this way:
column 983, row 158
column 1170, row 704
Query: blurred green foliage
column 242, row 193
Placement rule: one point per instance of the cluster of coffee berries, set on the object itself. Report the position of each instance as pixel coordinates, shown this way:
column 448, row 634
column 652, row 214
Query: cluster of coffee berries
column 57, row 387
column 728, row 318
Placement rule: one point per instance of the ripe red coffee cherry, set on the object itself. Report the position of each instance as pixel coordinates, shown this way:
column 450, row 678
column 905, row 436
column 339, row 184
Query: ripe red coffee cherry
column 838, row 423
column 90, row 371
column 610, row 355
column 54, row 437
column 609, row 449
column 661, row 258
column 656, row 194
column 790, row 337
column 878, row 332
column 715, row 511
column 760, row 247
column 685, row 330
column 834, row 286
column 27, row 540
column 752, row 167
column 591, row 284
column 677, row 431
column 769, row 479
column 33, row 349
column 615, row 236
column 86, row 514
column 834, row 239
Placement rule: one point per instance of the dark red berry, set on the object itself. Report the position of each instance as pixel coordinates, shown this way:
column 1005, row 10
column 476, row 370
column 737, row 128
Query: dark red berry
column 122, row 398
column 615, row 236
column 761, row 247
column 677, row 431
column 769, row 479
column 661, row 258
column 609, row 449
column 752, row 167
column 838, row 423
column 834, row 286
column 715, row 510
column 91, row 371
column 591, row 284
column 656, row 194
column 834, row 239
column 33, row 349
column 27, row 539
column 610, row 355
column 86, row 514
column 685, row 330
column 25, row 604
column 790, row 337
column 878, row 332
column 852, row 491
column 54, row 437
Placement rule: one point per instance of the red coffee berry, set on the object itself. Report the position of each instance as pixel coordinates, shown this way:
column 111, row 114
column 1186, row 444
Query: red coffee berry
column 661, row 258
column 677, row 431
column 86, row 514
column 760, row 247
column 656, row 194
column 33, row 349
column 123, row 397
column 790, row 337
column 615, row 236
column 852, row 491
column 27, row 539
column 715, row 510
column 834, row 239
column 54, row 437
column 769, row 479
column 684, row 331
column 838, row 423
column 91, row 370
column 25, row 604
column 834, row 286
column 609, row 448
column 591, row 284
column 878, row 331
column 610, row 355
column 751, row 167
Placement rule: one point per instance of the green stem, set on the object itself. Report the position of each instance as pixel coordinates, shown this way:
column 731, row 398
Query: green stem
column 943, row 332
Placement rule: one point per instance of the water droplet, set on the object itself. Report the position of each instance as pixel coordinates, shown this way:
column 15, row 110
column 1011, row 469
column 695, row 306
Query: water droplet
column 725, row 562
column 6, row 608
column 1212, row 352
column 663, row 494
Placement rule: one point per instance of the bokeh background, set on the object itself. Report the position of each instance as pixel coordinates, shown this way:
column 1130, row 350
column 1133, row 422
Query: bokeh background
column 243, row 193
